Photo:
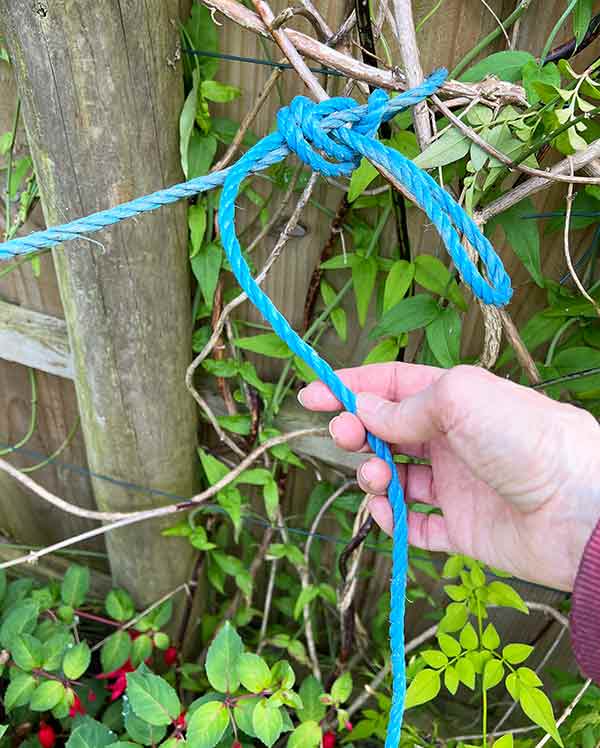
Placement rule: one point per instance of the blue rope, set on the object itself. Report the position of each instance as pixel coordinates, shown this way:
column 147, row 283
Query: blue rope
column 331, row 137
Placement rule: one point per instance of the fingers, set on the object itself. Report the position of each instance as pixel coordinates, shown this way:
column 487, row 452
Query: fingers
column 375, row 475
column 348, row 433
column 426, row 531
column 393, row 381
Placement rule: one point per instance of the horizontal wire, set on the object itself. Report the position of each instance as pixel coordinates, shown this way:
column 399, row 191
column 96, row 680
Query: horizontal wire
column 258, row 61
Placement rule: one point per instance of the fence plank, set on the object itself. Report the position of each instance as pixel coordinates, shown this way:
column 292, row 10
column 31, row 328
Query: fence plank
column 35, row 340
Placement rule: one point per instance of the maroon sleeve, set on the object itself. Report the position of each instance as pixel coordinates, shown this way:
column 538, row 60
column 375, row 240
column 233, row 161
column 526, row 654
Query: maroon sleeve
column 585, row 610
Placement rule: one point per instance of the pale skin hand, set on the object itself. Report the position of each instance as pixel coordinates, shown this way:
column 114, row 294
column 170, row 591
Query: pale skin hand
column 516, row 474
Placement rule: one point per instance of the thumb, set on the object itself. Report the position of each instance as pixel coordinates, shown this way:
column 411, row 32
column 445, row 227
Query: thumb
column 411, row 421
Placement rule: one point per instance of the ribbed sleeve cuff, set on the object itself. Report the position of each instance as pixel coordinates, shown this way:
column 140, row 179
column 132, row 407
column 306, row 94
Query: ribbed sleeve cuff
column 585, row 610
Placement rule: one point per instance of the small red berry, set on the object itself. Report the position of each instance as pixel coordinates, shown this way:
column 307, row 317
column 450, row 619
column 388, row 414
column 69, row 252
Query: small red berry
column 349, row 726
column 329, row 740
column 91, row 696
column 236, row 744
column 170, row 656
column 46, row 735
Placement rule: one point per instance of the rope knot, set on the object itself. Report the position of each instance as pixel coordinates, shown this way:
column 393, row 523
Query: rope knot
column 312, row 131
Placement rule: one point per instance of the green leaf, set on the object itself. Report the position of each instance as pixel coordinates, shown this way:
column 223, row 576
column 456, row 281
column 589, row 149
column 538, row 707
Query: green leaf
column 283, row 675
column 468, row 637
column 516, row 653
column 27, row 652
column 141, row 648
column 90, row 734
column 220, row 93
column 529, row 677
column 186, row 122
column 19, row 691
column 582, row 15
column 201, row 152
column 242, row 713
column 506, row 741
column 361, row 178
column 306, row 735
column 504, row 65
column 271, row 497
column 338, row 315
column 254, row 672
column 202, row 33
column 443, row 337
column 152, row 698
column 534, row 75
column 575, row 359
column 397, row 283
column 214, row 469
column 269, row 344
column 450, row 147
column 207, row 725
column 493, row 673
column 310, row 693
column 384, row 351
column 46, row 696
column 523, row 236
column 364, row 275
column 449, row 645
column 466, row 672
column 141, row 731
column 409, row 314
column 197, row 225
column 455, row 617
column 306, row 596
column 451, row 680
column 77, row 660
column 206, row 266
column 404, row 142
column 432, row 274
column 434, row 658
column 54, row 649
column 222, row 660
column 115, row 651
column 502, row 594
column 490, row 639
column 267, row 723
column 75, row 586
column 538, row 708
column 342, row 688
column 239, row 424
column 424, row 687
column 119, row 605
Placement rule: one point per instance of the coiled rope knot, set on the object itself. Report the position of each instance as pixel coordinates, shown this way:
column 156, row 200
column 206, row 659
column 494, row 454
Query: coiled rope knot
column 308, row 127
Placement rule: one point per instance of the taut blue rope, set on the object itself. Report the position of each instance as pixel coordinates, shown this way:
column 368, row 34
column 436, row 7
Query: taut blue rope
column 330, row 137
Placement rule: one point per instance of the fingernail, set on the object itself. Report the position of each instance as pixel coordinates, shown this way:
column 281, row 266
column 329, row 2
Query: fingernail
column 331, row 427
column 367, row 403
column 367, row 472
column 300, row 396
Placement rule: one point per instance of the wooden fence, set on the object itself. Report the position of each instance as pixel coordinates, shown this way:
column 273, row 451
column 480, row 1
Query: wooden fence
column 107, row 328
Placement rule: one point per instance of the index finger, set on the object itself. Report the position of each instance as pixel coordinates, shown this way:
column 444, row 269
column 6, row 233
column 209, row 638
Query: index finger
column 393, row 381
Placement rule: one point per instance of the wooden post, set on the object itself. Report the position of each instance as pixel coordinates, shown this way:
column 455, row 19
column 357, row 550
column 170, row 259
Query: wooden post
column 101, row 92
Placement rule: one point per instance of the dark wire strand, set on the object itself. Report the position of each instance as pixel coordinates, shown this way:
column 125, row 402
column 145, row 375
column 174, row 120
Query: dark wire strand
column 257, row 61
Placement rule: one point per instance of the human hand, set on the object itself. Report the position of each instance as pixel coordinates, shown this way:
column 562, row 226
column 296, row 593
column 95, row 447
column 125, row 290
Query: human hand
column 516, row 474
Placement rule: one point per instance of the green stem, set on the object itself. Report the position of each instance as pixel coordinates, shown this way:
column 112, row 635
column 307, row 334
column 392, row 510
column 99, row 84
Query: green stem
column 426, row 18
column 57, row 452
column 555, row 340
column 492, row 36
column 9, row 166
column 483, row 689
column 556, row 29
column 32, row 420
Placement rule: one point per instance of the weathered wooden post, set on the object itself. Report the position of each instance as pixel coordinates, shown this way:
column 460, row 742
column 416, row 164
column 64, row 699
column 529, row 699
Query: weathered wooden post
column 101, row 92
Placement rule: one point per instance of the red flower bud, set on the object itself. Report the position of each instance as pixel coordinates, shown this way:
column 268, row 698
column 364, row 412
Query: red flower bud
column 91, row 696
column 236, row 744
column 46, row 735
column 170, row 656
column 328, row 740
column 349, row 726
column 76, row 707
column 180, row 721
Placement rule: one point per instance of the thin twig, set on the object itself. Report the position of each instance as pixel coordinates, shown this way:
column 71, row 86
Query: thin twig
column 134, row 517
column 522, row 353
column 267, row 606
column 534, row 185
column 409, row 52
column 569, row 261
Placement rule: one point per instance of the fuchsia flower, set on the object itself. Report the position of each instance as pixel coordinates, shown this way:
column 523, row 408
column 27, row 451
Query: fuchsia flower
column 328, row 740
column 46, row 735
column 119, row 675
column 170, row 656
column 76, row 707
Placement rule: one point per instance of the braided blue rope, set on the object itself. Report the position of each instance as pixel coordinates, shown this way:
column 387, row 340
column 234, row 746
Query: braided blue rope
column 331, row 137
